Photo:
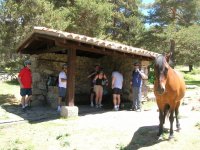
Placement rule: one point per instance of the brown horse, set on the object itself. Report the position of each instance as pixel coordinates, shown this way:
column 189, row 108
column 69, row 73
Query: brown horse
column 169, row 89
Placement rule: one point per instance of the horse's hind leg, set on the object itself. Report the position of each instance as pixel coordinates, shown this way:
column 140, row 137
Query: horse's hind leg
column 171, row 119
column 177, row 119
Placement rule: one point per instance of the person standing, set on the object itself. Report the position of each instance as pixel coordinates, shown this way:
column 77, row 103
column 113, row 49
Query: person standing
column 25, row 81
column 136, row 83
column 91, row 76
column 117, row 83
column 62, row 86
column 100, row 80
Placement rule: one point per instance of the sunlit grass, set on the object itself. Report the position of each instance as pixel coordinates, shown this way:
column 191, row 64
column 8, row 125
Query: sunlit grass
column 6, row 88
column 193, row 83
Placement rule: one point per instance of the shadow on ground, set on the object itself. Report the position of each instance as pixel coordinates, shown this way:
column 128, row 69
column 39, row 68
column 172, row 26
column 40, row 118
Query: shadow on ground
column 32, row 115
column 7, row 98
column 144, row 137
column 13, row 112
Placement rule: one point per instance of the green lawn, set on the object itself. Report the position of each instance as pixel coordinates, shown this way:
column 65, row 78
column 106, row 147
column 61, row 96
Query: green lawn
column 193, row 83
column 8, row 88
column 9, row 92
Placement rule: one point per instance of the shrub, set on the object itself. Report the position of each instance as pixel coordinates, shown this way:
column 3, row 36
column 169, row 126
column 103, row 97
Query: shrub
column 188, row 77
column 151, row 76
column 195, row 71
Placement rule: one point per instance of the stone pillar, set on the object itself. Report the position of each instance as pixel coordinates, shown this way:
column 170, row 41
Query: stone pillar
column 69, row 111
column 39, row 89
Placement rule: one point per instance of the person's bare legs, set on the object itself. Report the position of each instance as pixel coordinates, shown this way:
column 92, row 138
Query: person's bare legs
column 118, row 99
column 27, row 100
column 23, row 101
column 97, row 98
column 91, row 99
column 115, row 101
column 100, row 97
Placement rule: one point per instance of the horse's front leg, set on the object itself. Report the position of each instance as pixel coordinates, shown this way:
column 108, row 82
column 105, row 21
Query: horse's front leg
column 161, row 118
column 171, row 119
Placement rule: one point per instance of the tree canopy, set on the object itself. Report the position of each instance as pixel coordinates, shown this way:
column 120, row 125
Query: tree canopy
column 117, row 20
column 170, row 20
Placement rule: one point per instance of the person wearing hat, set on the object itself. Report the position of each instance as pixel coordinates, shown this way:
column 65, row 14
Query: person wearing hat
column 62, row 86
column 25, row 80
column 136, row 84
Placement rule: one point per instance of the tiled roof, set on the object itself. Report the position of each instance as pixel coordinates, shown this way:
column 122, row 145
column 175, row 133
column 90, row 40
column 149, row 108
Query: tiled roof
column 94, row 41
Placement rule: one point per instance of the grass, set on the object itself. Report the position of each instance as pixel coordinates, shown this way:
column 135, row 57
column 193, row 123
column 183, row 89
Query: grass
column 198, row 125
column 148, row 105
column 9, row 93
column 8, row 88
column 63, row 140
column 197, row 83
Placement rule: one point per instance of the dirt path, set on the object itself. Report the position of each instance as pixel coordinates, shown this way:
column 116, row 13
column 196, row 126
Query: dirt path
column 106, row 130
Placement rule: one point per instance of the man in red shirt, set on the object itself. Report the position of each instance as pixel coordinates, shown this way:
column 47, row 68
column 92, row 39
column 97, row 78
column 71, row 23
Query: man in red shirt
column 25, row 80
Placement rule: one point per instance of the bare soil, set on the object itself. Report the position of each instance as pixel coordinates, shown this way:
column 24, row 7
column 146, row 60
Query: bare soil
column 107, row 130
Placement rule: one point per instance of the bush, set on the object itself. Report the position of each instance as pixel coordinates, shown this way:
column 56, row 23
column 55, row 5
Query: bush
column 195, row 71
column 151, row 76
column 188, row 77
column 13, row 82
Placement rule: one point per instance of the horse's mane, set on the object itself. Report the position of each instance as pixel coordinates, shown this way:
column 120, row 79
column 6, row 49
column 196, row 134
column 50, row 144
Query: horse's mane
column 160, row 61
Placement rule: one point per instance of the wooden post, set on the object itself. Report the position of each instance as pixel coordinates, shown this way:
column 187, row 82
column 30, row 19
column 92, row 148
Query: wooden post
column 71, row 77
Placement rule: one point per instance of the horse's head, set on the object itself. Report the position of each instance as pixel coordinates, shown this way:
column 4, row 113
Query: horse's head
column 161, row 69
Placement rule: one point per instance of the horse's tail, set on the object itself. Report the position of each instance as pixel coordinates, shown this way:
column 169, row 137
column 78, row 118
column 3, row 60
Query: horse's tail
column 166, row 111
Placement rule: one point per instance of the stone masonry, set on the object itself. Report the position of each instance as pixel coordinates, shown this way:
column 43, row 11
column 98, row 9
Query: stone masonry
column 50, row 64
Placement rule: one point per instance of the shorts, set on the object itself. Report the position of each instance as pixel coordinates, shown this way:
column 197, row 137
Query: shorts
column 117, row 91
column 62, row 92
column 98, row 89
column 25, row 91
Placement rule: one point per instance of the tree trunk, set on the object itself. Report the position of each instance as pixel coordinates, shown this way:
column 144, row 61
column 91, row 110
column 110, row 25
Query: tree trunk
column 172, row 50
column 190, row 68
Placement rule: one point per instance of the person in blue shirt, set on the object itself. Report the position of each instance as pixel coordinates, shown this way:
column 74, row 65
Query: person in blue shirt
column 136, row 85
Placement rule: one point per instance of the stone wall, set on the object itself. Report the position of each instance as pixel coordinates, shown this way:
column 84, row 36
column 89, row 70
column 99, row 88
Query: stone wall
column 46, row 65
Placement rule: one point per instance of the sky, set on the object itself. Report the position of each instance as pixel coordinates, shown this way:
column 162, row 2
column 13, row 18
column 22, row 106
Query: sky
column 147, row 1
column 145, row 11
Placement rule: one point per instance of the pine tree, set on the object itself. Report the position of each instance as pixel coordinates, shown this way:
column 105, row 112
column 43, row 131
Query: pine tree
column 169, row 16
column 126, row 24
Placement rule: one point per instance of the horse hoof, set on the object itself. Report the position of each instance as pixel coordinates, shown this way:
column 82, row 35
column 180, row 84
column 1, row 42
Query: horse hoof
column 171, row 137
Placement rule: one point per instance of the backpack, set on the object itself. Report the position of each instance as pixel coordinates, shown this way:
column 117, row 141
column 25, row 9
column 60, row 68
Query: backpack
column 52, row 80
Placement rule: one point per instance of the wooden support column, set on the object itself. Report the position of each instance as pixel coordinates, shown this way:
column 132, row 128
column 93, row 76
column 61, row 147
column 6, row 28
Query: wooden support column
column 71, row 77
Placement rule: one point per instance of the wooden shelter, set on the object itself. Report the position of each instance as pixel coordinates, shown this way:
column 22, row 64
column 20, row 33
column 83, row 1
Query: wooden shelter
column 45, row 40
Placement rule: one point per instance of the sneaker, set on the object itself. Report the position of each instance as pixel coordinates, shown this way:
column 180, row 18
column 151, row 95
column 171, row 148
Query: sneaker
column 97, row 106
column 115, row 108
column 133, row 109
column 100, row 105
column 92, row 105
